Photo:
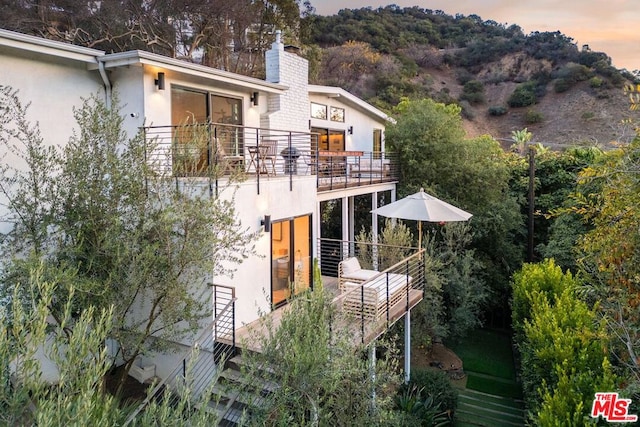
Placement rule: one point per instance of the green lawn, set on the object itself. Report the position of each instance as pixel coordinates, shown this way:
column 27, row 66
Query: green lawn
column 488, row 362
column 487, row 351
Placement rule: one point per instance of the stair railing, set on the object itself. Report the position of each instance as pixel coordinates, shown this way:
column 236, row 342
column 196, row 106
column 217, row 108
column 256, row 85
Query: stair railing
column 201, row 364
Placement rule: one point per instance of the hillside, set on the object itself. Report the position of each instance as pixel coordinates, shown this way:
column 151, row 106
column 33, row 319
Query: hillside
column 570, row 95
column 580, row 116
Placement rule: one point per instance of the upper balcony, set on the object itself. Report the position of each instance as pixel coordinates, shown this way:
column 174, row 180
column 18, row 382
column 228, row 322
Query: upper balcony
column 218, row 150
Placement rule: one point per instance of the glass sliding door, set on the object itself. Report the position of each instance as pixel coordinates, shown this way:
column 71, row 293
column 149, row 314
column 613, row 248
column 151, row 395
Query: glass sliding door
column 228, row 111
column 291, row 270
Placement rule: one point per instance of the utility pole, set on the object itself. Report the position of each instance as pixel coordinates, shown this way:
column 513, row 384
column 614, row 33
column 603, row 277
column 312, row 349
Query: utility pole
column 532, row 176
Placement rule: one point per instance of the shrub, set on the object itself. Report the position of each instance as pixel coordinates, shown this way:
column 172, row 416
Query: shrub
column 523, row 95
column 473, row 92
column 497, row 110
column 533, row 116
column 595, row 82
column 435, row 384
column 562, row 85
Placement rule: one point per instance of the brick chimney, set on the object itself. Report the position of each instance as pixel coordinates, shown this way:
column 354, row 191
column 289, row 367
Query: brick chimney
column 290, row 110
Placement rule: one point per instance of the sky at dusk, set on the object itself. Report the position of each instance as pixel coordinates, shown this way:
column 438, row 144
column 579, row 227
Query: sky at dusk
column 610, row 26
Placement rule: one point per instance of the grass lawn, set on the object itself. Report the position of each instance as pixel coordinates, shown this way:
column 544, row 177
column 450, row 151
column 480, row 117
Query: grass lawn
column 487, row 351
column 497, row 388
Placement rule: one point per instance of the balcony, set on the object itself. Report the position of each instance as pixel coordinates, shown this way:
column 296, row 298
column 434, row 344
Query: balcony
column 219, row 151
column 366, row 307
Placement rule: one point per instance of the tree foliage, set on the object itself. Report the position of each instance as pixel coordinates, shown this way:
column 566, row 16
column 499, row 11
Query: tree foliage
column 562, row 345
column 324, row 377
column 115, row 231
column 472, row 174
column 219, row 33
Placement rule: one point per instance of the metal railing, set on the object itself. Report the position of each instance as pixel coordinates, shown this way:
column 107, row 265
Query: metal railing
column 216, row 151
column 391, row 283
column 354, row 169
column 202, row 363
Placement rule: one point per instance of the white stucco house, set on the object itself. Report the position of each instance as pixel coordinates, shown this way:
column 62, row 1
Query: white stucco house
column 300, row 145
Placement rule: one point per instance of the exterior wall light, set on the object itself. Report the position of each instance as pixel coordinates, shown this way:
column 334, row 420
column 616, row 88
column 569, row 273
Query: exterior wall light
column 266, row 223
column 160, row 81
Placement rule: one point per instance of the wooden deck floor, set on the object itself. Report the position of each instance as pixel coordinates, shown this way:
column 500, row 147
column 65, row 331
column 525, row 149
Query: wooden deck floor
column 363, row 330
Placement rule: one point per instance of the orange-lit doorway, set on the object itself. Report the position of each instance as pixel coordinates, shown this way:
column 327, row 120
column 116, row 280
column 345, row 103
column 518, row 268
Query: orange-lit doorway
column 290, row 258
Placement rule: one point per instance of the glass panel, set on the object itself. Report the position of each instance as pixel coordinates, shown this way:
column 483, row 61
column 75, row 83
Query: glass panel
column 302, row 254
column 318, row 111
column 280, row 261
column 337, row 114
column 336, row 140
column 228, row 111
column 377, row 143
column 323, row 138
column 189, row 143
column 290, row 258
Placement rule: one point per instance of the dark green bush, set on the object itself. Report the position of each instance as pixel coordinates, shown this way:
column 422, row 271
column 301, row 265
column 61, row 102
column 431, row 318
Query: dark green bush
column 533, row 116
column 435, row 384
column 562, row 85
column 595, row 82
column 523, row 95
column 497, row 110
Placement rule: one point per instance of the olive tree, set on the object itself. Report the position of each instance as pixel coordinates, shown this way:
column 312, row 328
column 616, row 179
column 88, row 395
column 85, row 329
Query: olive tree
column 104, row 222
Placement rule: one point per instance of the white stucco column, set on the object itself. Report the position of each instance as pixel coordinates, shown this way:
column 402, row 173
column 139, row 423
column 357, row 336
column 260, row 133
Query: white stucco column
column 407, row 346
column 352, row 231
column 345, row 219
column 372, row 373
column 374, row 228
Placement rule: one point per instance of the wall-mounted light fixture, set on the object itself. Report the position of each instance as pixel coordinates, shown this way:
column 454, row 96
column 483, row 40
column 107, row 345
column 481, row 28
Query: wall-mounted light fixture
column 266, row 223
column 160, row 81
column 255, row 98
column 350, row 130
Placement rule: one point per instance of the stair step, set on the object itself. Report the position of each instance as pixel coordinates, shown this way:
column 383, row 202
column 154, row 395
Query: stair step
column 478, row 419
column 233, row 376
column 501, row 414
column 482, row 409
column 473, row 402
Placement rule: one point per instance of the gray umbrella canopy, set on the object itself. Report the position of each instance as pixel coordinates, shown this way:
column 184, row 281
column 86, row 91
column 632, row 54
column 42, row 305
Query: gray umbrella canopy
column 422, row 207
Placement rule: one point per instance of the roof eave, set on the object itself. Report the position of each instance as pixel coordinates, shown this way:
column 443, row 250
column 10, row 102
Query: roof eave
column 351, row 99
column 139, row 57
column 43, row 46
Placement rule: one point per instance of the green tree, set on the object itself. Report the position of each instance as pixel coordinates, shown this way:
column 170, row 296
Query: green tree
column 562, row 344
column 607, row 199
column 118, row 233
column 470, row 173
column 323, row 377
column 75, row 346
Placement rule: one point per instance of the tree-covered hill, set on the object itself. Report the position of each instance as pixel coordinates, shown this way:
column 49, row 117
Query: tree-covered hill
column 502, row 78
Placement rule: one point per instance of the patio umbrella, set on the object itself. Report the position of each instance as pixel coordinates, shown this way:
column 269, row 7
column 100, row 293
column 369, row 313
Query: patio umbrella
column 422, row 207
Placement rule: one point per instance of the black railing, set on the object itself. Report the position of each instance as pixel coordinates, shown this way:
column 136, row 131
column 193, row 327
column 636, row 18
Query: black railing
column 345, row 169
column 216, row 151
column 202, row 363
column 388, row 282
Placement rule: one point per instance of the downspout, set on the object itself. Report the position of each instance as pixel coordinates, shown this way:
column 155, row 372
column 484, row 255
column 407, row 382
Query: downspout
column 107, row 84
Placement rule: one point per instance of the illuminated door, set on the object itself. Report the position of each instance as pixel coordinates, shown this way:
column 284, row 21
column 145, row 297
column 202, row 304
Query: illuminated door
column 290, row 258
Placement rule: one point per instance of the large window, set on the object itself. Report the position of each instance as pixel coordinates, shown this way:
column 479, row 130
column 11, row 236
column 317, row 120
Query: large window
column 189, row 106
column 337, row 114
column 318, row 111
column 329, row 139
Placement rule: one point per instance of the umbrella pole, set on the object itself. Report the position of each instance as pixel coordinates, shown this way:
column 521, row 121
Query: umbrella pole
column 419, row 234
